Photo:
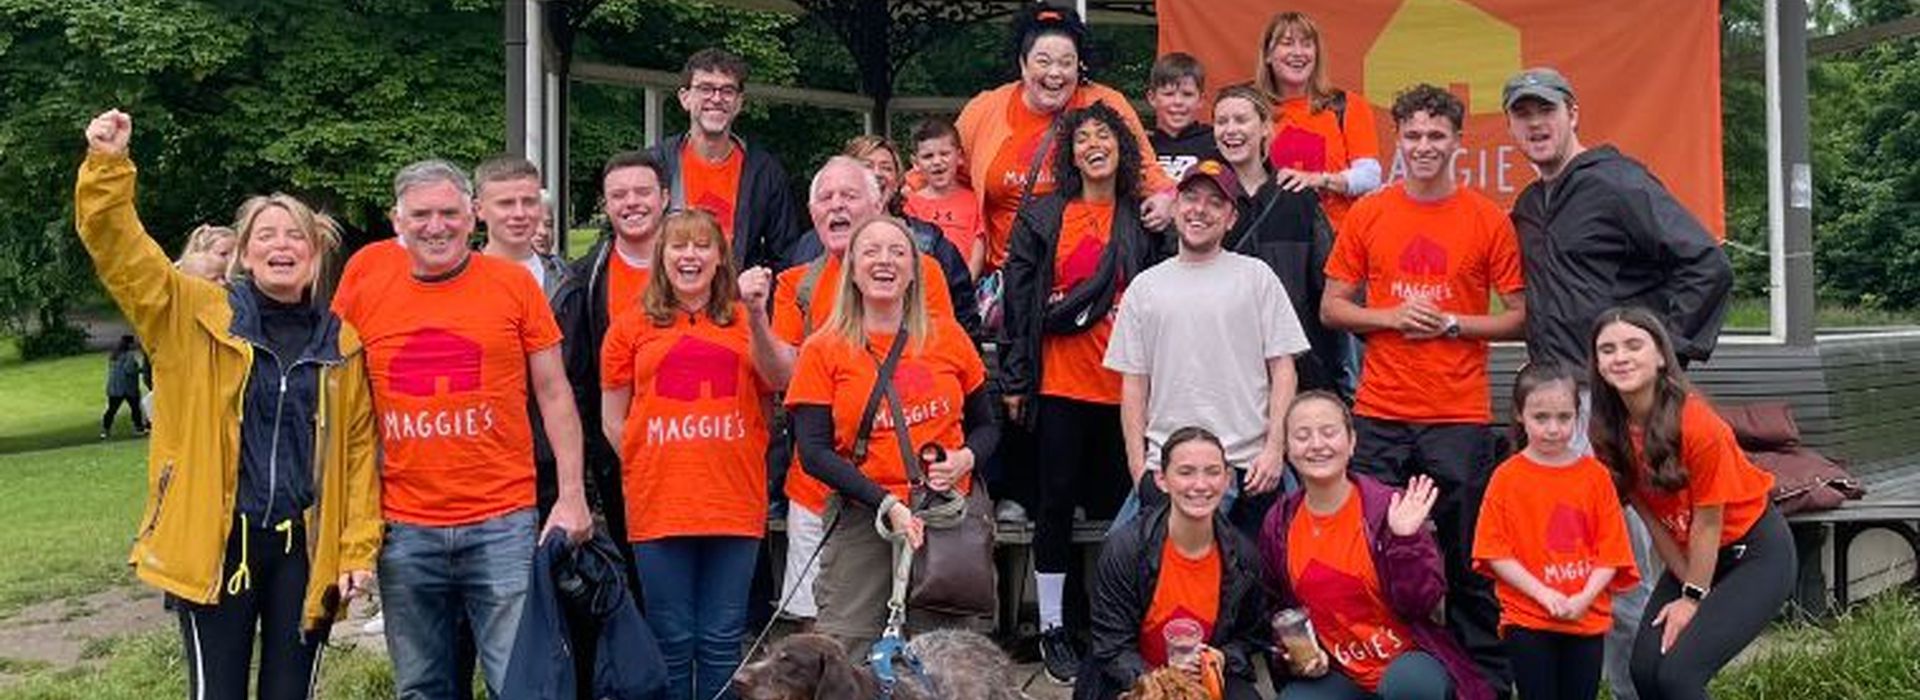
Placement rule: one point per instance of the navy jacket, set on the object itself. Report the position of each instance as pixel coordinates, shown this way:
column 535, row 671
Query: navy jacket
column 276, row 443
column 581, row 594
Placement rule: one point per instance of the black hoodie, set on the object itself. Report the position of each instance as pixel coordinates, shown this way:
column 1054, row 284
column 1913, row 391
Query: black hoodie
column 1606, row 233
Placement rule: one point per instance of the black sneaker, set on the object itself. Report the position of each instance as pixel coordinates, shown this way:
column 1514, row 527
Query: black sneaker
column 1058, row 657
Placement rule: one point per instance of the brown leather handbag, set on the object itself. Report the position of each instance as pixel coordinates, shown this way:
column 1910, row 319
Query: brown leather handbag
column 953, row 572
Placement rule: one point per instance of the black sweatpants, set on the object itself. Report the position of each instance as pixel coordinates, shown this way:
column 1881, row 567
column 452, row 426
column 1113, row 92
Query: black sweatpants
column 1459, row 459
column 263, row 594
column 1555, row 665
column 1751, row 581
column 113, row 410
column 1082, row 461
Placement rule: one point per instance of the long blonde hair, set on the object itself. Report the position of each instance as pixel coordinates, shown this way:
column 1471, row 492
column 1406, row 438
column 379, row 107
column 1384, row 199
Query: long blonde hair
column 203, row 238
column 848, row 319
column 658, row 299
column 1320, row 89
column 324, row 236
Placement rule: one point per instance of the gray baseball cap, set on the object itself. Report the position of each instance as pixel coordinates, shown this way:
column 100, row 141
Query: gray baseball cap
column 1540, row 83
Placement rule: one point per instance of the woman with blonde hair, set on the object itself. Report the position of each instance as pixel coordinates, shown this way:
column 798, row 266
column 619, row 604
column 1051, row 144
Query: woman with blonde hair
column 208, row 253
column 263, row 513
column 1323, row 136
column 937, row 398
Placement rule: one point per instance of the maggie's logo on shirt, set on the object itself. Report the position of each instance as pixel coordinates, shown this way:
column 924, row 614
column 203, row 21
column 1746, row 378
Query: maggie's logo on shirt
column 1568, row 537
column 431, row 356
column 695, row 368
column 1423, row 271
column 434, row 362
column 913, row 384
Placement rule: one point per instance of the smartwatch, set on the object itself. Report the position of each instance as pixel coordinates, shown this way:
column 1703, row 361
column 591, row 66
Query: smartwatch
column 1692, row 592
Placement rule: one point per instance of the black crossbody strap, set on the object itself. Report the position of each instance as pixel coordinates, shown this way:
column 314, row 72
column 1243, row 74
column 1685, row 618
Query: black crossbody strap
column 1039, row 158
column 882, row 386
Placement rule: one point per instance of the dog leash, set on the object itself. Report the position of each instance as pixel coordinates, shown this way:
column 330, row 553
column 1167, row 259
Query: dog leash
column 891, row 647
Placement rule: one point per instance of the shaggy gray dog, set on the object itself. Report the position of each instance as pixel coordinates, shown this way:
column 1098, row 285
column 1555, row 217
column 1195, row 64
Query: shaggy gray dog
column 964, row 665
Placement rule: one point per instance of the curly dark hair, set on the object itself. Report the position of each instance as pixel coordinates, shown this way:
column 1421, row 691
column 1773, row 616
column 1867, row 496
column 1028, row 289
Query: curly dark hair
column 1066, row 175
column 1037, row 20
column 1433, row 100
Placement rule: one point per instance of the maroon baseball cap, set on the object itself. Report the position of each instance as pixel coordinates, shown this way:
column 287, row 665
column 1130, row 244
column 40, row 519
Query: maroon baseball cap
column 1215, row 172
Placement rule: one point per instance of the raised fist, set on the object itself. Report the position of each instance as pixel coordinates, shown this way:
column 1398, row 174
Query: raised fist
column 109, row 132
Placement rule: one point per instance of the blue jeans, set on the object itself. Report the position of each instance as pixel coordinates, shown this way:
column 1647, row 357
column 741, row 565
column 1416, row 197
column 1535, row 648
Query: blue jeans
column 1414, row 675
column 430, row 577
column 696, row 589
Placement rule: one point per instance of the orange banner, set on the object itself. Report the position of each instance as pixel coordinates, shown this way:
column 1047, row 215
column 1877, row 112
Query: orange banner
column 1646, row 73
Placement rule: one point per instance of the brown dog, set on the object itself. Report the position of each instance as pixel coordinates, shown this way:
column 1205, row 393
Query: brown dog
column 813, row 667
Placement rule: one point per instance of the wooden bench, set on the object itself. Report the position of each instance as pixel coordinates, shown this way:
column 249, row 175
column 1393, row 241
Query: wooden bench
column 1892, row 504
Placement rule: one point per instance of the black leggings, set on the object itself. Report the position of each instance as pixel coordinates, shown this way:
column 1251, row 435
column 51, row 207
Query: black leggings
column 1555, row 665
column 266, row 600
column 1752, row 580
column 1082, row 461
column 113, row 410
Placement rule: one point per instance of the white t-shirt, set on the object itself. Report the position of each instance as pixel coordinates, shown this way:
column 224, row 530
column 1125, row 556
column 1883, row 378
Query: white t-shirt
column 537, row 267
column 1202, row 334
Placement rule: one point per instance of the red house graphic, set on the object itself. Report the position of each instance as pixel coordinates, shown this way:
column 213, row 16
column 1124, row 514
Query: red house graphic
column 1423, row 258
column 1567, row 531
column 431, row 355
column 1299, row 149
column 695, row 367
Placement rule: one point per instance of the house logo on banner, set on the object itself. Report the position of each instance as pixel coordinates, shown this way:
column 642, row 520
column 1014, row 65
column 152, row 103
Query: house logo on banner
column 1458, row 46
column 1669, row 118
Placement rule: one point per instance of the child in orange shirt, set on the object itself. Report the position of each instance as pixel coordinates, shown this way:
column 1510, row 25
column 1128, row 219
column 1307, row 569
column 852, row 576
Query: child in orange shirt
column 943, row 200
column 1552, row 533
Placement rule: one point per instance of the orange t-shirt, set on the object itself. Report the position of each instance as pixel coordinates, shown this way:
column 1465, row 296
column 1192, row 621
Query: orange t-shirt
column 1560, row 523
column 1331, row 569
column 693, row 452
column 1718, row 474
column 791, row 329
column 957, row 213
column 1454, row 253
column 625, row 285
column 1007, row 176
column 931, row 382
column 1317, row 142
column 712, row 187
column 448, row 364
column 1073, row 366
column 1188, row 588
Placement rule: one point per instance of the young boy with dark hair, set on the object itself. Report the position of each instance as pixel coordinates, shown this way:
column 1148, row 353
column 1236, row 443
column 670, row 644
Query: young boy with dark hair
column 1180, row 139
column 943, row 200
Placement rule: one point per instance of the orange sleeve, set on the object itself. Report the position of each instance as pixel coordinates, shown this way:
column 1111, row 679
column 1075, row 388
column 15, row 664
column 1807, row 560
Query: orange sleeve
column 939, row 300
column 1506, row 273
column 1610, row 529
column 616, row 352
column 812, row 382
column 1362, row 140
column 788, row 327
column 973, row 371
column 1710, row 454
column 1348, row 261
column 1490, row 536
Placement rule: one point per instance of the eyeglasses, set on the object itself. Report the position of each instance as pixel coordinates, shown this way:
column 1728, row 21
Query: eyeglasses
column 708, row 91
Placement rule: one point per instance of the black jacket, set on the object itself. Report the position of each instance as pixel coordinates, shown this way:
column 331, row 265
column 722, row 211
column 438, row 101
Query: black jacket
column 1290, row 233
column 1028, row 275
column 1606, row 233
column 765, row 217
column 276, row 479
column 966, row 308
column 1123, row 588
column 580, row 308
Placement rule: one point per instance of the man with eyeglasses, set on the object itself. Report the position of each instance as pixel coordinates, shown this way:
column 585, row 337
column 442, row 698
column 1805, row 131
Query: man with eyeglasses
column 711, row 168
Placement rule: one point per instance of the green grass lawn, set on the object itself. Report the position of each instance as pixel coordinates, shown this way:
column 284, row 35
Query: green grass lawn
column 149, row 665
column 53, row 403
column 66, row 518
column 1752, row 315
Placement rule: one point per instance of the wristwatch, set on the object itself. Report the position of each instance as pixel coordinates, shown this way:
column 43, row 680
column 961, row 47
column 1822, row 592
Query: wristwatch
column 1692, row 592
column 1453, row 326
